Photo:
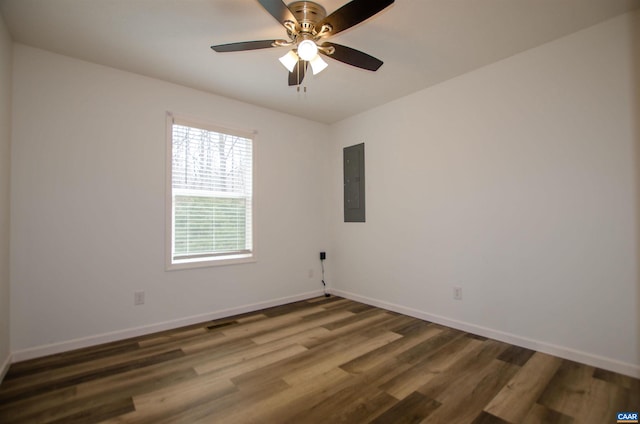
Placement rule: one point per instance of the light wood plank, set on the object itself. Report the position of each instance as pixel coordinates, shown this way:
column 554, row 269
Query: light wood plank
column 516, row 399
column 429, row 367
column 345, row 355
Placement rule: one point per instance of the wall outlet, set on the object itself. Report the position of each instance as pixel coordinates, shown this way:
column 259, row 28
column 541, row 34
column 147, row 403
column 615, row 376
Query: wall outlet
column 138, row 297
column 457, row 293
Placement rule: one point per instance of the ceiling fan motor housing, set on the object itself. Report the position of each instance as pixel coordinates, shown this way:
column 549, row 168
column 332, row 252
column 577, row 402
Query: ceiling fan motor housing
column 308, row 15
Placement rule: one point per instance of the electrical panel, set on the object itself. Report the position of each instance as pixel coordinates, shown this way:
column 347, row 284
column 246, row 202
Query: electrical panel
column 353, row 170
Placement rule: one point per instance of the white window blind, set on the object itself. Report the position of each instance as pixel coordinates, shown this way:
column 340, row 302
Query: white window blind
column 211, row 193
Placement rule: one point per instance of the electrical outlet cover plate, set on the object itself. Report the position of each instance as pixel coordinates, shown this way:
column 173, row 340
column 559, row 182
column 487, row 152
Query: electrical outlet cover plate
column 457, row 293
column 138, row 298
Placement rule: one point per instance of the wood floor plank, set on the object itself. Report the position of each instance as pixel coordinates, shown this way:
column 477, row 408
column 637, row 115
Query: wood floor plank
column 216, row 342
column 568, row 389
column 412, row 409
column 367, row 408
column 137, row 381
column 486, row 418
column 418, row 352
column 172, row 400
column 284, row 406
column 100, row 412
column 520, row 394
column 516, row 355
column 322, row 365
column 473, row 390
column 301, row 326
column 317, row 356
column 351, row 400
column 432, row 364
column 35, row 366
column 540, row 414
column 238, row 366
column 355, row 327
column 249, row 318
column 604, row 402
column 330, row 303
column 366, row 362
column 175, row 337
column 468, row 366
column 43, row 386
column 414, row 326
column 625, row 381
column 314, row 361
column 35, row 410
column 15, row 411
column 372, row 315
column 213, row 409
column 255, row 328
column 79, row 411
column 76, row 368
column 303, row 338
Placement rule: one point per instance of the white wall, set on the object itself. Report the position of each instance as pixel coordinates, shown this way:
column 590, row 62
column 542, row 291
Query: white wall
column 88, row 187
column 517, row 182
column 5, row 136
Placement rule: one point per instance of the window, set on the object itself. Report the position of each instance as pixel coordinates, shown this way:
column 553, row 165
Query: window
column 210, row 205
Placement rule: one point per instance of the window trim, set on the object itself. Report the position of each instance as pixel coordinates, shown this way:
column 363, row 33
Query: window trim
column 222, row 259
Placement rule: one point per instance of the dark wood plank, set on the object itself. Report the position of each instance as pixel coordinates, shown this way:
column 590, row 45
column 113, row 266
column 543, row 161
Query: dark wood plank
column 352, row 400
column 26, row 368
column 516, row 355
column 98, row 413
column 45, row 386
column 60, row 403
column 486, row 418
column 412, row 409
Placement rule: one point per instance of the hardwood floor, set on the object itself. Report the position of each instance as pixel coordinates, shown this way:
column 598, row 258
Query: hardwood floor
column 317, row 361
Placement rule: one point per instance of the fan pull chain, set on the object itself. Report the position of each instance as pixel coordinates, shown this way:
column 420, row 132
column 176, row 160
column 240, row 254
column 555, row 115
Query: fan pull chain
column 304, row 88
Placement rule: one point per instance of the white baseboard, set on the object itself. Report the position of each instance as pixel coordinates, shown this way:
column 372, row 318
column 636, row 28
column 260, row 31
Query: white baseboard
column 5, row 367
column 50, row 349
column 625, row 368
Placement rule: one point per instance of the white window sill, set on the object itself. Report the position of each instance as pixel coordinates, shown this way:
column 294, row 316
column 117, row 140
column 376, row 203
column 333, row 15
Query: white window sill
column 209, row 262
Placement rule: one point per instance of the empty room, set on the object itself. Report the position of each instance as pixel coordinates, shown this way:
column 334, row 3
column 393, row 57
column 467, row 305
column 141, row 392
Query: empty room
column 366, row 211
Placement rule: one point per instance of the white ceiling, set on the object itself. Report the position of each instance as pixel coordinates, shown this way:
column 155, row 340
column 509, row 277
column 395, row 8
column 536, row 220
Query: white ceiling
column 422, row 42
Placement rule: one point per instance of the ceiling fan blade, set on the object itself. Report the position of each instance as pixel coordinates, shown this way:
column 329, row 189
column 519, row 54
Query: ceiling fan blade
column 279, row 10
column 245, row 45
column 352, row 14
column 297, row 75
column 353, row 57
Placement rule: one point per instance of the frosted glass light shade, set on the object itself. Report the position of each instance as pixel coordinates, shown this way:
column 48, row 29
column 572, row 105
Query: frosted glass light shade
column 289, row 60
column 307, row 50
column 317, row 64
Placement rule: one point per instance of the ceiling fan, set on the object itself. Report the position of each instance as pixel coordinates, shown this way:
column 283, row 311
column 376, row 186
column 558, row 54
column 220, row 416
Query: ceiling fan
column 307, row 26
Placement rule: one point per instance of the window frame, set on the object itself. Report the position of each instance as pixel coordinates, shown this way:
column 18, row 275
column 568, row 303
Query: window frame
column 217, row 259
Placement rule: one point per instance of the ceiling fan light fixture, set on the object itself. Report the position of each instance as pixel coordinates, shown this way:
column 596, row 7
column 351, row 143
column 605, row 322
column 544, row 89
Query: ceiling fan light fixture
column 307, row 50
column 289, row 60
column 306, row 23
column 317, row 64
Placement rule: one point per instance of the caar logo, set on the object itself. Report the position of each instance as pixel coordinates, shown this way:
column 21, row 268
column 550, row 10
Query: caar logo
column 627, row 417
